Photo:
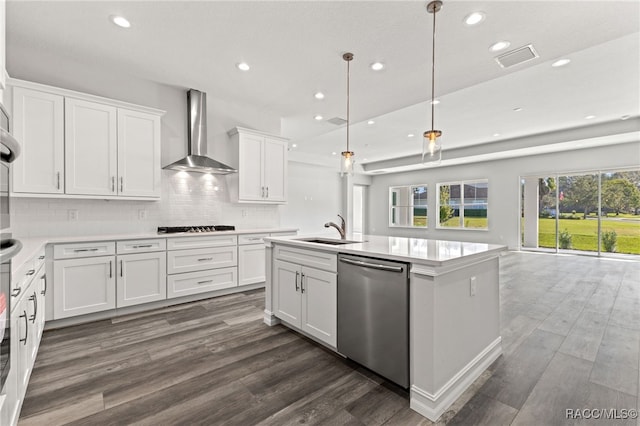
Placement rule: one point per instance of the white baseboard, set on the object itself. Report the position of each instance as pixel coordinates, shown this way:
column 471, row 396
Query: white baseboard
column 270, row 319
column 432, row 406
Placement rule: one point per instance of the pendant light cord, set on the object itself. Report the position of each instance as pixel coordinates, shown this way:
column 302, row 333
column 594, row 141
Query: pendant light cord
column 433, row 71
column 348, row 78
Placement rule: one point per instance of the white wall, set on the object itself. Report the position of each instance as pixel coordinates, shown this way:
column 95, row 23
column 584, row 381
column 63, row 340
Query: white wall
column 314, row 199
column 504, row 187
column 185, row 200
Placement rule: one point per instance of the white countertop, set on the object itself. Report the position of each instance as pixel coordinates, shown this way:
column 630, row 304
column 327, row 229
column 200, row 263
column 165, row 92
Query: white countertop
column 31, row 246
column 414, row 250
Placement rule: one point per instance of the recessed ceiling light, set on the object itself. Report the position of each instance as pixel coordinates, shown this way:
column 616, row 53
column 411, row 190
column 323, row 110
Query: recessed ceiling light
column 364, row 159
column 377, row 66
column 318, row 117
column 435, row 102
column 319, row 95
column 495, row 135
column 474, row 18
column 590, row 117
column 410, row 135
column 370, row 122
column 560, row 62
column 500, row 45
column 294, row 145
column 243, row 66
column 625, row 117
column 120, row 21
column 334, row 153
column 517, row 109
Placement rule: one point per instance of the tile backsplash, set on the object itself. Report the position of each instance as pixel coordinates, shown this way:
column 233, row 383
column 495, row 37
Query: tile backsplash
column 187, row 199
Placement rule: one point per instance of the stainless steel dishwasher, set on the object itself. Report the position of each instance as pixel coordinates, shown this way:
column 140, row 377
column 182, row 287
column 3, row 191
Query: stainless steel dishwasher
column 373, row 315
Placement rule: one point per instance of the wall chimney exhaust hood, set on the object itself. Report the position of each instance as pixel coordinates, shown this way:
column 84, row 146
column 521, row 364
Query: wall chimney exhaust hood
column 196, row 159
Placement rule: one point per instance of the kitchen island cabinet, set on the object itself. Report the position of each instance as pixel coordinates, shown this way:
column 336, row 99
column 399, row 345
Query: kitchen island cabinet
column 454, row 310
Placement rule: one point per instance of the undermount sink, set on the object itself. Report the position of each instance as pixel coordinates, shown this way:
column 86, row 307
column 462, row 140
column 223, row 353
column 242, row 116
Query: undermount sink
column 327, row 241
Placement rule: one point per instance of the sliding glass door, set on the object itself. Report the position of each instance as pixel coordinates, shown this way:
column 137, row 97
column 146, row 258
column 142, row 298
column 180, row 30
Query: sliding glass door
column 591, row 213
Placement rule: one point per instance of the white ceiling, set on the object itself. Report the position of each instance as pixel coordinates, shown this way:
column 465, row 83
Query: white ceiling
column 295, row 49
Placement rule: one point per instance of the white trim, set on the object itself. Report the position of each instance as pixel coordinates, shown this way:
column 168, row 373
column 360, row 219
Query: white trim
column 434, row 271
column 270, row 319
column 432, row 406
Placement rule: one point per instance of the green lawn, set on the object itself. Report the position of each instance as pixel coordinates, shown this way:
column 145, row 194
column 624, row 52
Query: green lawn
column 584, row 233
column 469, row 222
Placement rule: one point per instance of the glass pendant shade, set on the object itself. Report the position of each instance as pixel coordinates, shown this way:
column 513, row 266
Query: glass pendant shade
column 346, row 163
column 432, row 147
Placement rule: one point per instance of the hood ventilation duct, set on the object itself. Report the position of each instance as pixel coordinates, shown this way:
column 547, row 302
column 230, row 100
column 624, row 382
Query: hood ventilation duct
column 196, row 159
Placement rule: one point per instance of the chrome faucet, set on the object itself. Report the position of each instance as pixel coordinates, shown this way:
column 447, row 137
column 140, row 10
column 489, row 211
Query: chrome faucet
column 342, row 229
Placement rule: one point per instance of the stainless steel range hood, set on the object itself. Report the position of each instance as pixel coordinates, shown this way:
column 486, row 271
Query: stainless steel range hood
column 196, row 159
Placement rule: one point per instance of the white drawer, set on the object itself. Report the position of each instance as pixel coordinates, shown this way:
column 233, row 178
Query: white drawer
column 180, row 243
column 251, row 239
column 312, row 258
column 179, row 261
column 201, row 282
column 73, row 250
column 141, row 246
column 23, row 279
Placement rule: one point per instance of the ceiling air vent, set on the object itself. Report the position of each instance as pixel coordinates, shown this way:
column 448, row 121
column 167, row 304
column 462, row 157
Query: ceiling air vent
column 517, row 56
column 337, row 121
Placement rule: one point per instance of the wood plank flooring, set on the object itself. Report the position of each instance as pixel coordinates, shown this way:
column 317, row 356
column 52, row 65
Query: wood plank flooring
column 571, row 340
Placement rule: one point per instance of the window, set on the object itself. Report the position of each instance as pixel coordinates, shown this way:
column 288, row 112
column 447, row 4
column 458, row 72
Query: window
column 408, row 206
column 463, row 205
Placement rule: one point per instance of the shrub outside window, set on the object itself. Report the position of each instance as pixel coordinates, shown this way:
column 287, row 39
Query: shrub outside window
column 408, row 206
column 463, row 205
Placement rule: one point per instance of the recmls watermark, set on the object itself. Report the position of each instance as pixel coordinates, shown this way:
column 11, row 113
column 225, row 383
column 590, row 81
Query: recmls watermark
column 601, row 413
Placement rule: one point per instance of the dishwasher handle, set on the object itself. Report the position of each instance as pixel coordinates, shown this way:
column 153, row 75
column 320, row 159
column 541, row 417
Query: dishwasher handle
column 372, row 265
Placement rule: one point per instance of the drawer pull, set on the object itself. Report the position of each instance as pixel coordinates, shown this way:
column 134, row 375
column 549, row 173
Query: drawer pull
column 204, row 282
column 44, row 291
column 255, row 238
column 85, row 249
column 143, row 246
column 16, row 292
column 26, row 327
column 30, row 272
column 205, row 259
column 40, row 257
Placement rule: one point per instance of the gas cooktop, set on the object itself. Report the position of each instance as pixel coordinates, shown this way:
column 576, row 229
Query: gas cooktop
column 194, row 229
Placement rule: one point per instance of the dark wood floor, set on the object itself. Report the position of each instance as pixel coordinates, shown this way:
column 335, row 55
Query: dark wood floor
column 571, row 339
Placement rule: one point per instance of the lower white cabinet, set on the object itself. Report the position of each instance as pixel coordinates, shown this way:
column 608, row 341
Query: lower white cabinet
column 84, row 286
column 141, row 278
column 307, row 298
column 189, row 283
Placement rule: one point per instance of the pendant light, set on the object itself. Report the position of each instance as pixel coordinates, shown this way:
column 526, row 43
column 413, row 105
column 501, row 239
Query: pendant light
column 346, row 162
column 432, row 144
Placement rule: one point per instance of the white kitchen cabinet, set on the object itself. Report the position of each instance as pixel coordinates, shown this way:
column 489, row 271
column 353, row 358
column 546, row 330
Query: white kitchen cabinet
column 201, row 259
column 91, row 148
column 262, row 167
column 141, row 278
column 138, row 154
column 84, row 146
column 189, row 283
column 38, row 123
column 307, row 299
column 251, row 259
column 83, row 286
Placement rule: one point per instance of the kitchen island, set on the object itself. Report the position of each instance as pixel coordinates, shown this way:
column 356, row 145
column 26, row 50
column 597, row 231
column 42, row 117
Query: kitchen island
column 454, row 306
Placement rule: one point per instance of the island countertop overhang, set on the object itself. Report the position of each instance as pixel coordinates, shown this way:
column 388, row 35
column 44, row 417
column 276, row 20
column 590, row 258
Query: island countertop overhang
column 417, row 251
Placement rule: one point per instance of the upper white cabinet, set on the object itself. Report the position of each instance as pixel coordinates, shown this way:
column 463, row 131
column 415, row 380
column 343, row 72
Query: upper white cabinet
column 38, row 119
column 91, row 148
column 83, row 146
column 138, row 153
column 262, row 167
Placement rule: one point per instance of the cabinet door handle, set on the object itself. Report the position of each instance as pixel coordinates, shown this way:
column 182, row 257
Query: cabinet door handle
column 110, row 269
column 58, row 180
column 30, row 272
column 205, row 259
column 262, row 191
column 40, row 257
column 86, row 249
column 297, row 275
column 26, row 327
column 34, row 299
column 267, row 192
column 143, row 246
column 121, row 268
column 44, row 291
column 302, row 282
column 121, row 184
column 16, row 292
column 113, row 184
column 204, row 282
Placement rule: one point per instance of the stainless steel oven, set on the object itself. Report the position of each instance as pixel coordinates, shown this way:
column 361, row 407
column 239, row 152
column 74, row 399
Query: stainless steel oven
column 9, row 247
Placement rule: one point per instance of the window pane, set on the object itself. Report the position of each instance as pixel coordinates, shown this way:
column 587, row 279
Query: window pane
column 475, row 216
column 420, row 216
column 475, row 193
column 449, row 214
column 419, row 195
column 400, row 216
